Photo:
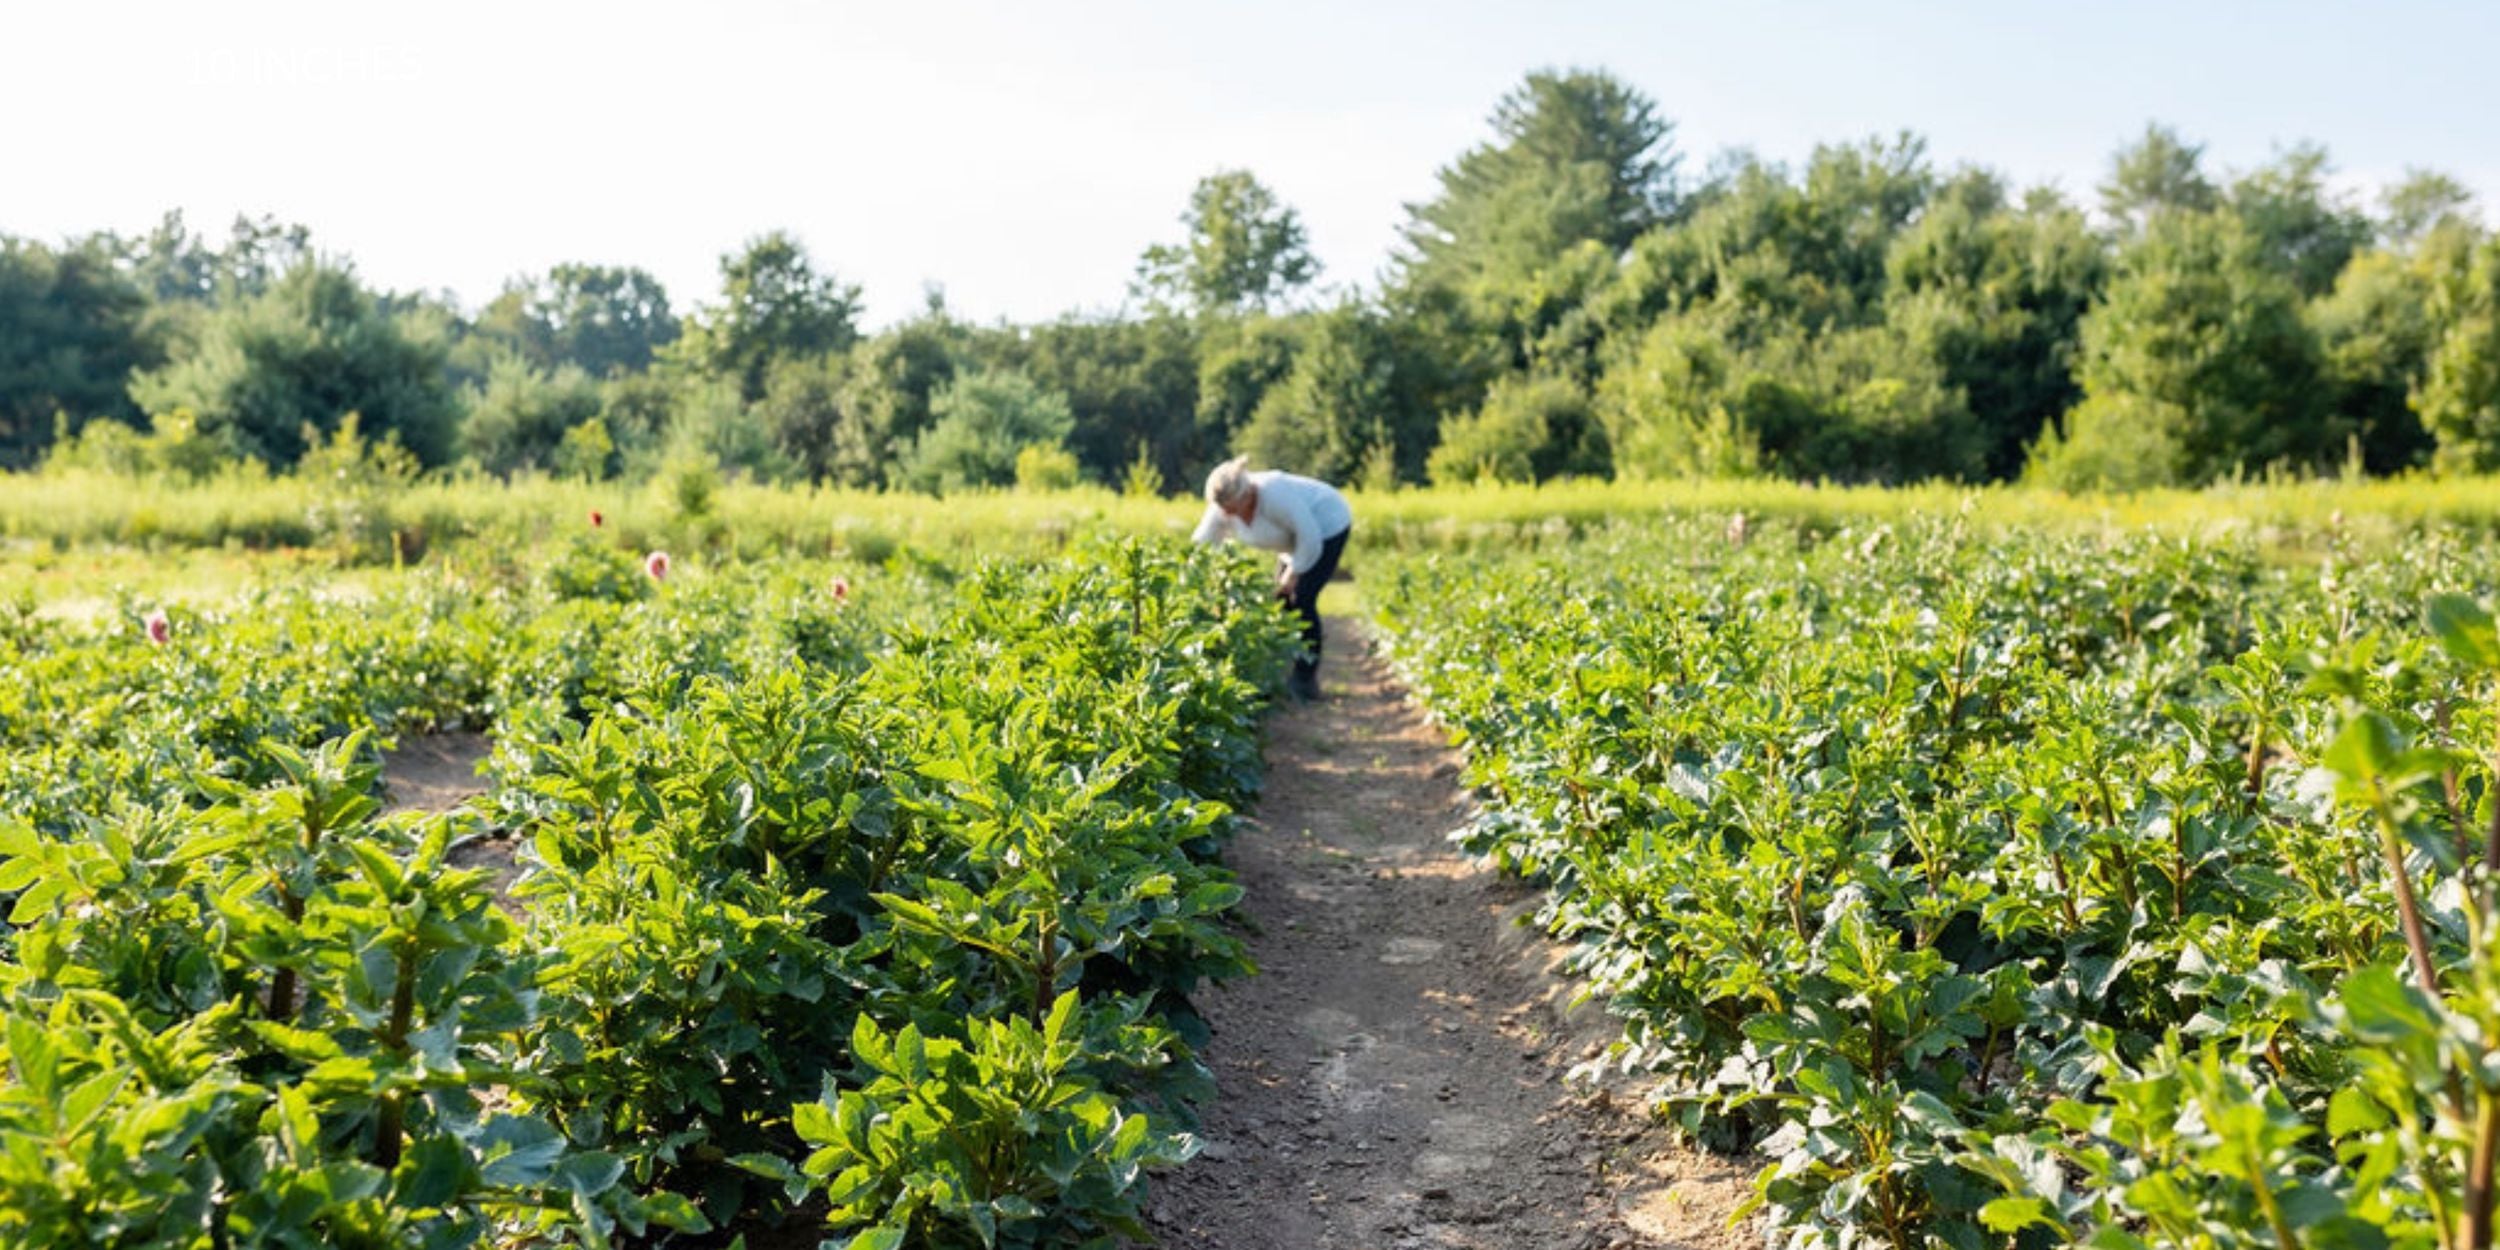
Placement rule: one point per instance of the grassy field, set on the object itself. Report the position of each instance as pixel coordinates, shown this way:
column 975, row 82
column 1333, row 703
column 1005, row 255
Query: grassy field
column 77, row 544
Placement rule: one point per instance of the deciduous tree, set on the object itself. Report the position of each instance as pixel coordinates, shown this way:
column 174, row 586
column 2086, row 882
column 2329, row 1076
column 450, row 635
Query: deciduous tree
column 604, row 319
column 302, row 355
column 2196, row 364
column 983, row 421
column 72, row 327
column 2158, row 173
column 775, row 305
column 1245, row 249
column 2459, row 398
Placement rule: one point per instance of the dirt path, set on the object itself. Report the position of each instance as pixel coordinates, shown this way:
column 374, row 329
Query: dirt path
column 1393, row 1076
column 433, row 772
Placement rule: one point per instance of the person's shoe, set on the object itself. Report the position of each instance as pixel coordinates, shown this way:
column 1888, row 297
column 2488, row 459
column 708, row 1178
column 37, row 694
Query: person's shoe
column 1305, row 686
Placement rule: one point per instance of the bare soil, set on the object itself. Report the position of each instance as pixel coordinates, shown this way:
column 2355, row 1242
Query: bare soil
column 437, row 773
column 1394, row 1076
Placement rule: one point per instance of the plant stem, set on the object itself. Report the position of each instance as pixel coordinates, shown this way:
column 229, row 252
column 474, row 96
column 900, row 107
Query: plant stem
column 1045, row 969
column 2066, row 894
column 2284, row 1237
column 2478, row 1175
column 2491, row 849
column 2256, row 764
column 282, row 986
column 386, row 1131
column 2179, row 865
column 2417, row 938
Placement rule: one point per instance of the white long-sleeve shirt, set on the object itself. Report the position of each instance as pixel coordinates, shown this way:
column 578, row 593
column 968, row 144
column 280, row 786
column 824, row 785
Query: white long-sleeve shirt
column 1295, row 515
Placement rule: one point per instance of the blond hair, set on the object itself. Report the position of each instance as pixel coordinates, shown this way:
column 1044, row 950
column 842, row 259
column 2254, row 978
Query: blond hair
column 1228, row 481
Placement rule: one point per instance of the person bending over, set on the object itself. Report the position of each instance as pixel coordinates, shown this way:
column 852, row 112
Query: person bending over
column 1305, row 520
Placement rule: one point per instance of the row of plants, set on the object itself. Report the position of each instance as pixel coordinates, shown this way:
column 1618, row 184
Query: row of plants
column 872, row 912
column 2014, row 888
column 127, row 706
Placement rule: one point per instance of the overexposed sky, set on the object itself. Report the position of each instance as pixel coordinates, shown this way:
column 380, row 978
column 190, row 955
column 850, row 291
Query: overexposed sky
column 1021, row 155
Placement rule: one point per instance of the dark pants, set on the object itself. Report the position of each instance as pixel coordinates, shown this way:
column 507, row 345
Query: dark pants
column 1306, row 590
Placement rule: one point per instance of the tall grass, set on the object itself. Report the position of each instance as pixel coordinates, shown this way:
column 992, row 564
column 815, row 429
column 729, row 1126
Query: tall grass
column 2289, row 504
column 83, row 510
column 79, row 509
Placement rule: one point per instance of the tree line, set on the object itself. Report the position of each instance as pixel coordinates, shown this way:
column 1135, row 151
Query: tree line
column 1572, row 300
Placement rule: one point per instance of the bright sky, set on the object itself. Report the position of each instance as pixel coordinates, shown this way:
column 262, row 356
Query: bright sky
column 1020, row 155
